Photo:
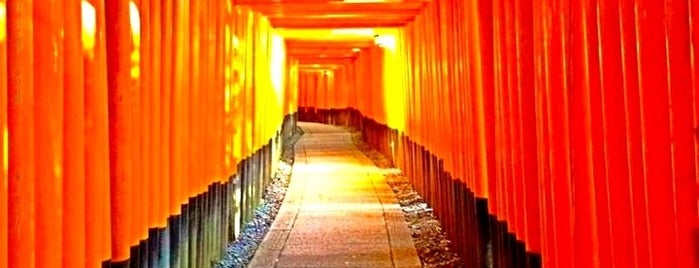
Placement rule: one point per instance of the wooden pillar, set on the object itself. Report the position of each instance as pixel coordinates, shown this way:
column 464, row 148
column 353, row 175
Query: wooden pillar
column 74, row 229
column 620, row 212
column 121, row 140
column 164, row 79
column 694, row 29
column 97, row 194
column 156, row 148
column 177, row 140
column 221, row 170
column 3, row 135
column 49, row 129
column 655, row 129
column 526, row 65
column 20, row 118
column 170, row 206
column 634, row 146
column 193, row 92
column 558, row 135
column 581, row 89
column 139, row 184
column 148, row 124
column 682, row 130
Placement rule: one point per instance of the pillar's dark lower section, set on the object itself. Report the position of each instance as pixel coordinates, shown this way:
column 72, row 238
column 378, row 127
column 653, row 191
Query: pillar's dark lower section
column 479, row 237
column 198, row 237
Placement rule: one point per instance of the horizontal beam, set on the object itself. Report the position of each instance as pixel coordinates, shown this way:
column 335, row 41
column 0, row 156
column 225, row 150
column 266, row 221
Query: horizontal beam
column 335, row 23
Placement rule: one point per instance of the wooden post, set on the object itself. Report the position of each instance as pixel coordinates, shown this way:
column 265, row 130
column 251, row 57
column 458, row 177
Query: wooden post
column 74, row 229
column 48, row 116
column 121, row 140
column 3, row 136
column 97, row 193
column 20, row 118
column 682, row 130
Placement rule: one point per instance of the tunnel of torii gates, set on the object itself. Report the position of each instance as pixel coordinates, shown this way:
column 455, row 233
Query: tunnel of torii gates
column 560, row 133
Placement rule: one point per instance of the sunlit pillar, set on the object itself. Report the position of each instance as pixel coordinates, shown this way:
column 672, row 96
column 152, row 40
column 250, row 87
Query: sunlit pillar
column 166, row 19
column 20, row 118
column 228, row 89
column 220, row 95
column 248, row 38
column 192, row 92
column 3, row 135
column 48, row 85
column 139, row 186
column 205, row 104
column 177, row 129
column 156, row 114
column 97, row 187
column 74, row 139
column 147, row 122
column 118, row 33
column 208, row 89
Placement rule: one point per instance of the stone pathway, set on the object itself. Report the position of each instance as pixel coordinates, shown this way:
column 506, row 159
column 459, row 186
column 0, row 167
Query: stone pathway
column 338, row 211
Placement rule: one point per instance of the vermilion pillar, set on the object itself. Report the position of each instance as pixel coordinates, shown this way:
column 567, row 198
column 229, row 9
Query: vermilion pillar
column 139, row 201
column 615, row 136
column 655, row 129
column 74, row 228
column 249, row 93
column 541, row 110
column 221, row 127
column 97, row 187
column 192, row 92
column 694, row 27
column 3, row 134
column 197, row 92
column 206, row 88
column 48, row 84
column 682, row 130
column 177, row 141
column 558, row 135
column 120, row 141
column 526, row 69
column 485, row 113
column 495, row 195
column 166, row 89
column 634, row 146
column 581, row 87
column 146, row 90
column 20, row 117
column 156, row 176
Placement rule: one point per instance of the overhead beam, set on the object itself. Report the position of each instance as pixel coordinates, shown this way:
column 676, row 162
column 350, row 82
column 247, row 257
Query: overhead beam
column 335, row 23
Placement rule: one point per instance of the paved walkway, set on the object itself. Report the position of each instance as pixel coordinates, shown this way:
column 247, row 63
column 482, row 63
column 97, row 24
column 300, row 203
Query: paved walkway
column 338, row 211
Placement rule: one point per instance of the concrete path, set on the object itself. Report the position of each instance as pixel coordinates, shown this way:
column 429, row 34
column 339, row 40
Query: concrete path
column 338, row 211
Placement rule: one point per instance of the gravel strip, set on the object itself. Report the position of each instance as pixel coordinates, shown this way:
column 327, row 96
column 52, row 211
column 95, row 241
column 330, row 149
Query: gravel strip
column 430, row 240
column 242, row 250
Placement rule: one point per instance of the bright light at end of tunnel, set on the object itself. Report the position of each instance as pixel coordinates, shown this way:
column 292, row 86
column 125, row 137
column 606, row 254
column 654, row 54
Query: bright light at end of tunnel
column 135, row 19
column 3, row 22
column 386, row 41
column 353, row 31
column 369, row 1
column 89, row 27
